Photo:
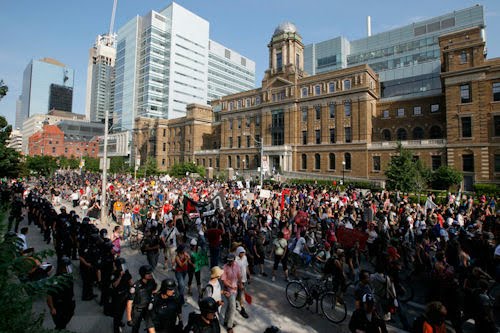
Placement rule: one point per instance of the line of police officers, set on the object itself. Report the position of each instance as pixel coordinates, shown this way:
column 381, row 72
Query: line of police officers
column 160, row 310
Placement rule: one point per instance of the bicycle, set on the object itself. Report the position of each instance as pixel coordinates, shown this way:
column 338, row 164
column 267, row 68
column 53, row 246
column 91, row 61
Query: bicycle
column 300, row 293
column 135, row 240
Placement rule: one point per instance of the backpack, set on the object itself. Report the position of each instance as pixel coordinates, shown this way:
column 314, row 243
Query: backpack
column 292, row 244
column 207, row 289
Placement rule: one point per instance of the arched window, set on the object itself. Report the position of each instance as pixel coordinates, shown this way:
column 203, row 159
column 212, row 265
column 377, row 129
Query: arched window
column 386, row 135
column 331, row 161
column 402, row 134
column 418, row 133
column 317, row 162
column 303, row 162
column 347, row 160
column 435, row 132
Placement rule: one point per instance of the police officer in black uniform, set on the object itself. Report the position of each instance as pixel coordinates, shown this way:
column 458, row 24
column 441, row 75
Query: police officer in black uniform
column 61, row 301
column 105, row 270
column 89, row 256
column 206, row 321
column 62, row 231
column 121, row 282
column 140, row 302
column 167, row 308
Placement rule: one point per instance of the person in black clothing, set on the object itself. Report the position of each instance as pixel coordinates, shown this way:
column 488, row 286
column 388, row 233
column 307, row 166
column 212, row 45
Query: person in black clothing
column 151, row 246
column 89, row 256
column 366, row 319
column 206, row 321
column 167, row 308
column 61, row 301
column 121, row 281
column 105, row 266
column 139, row 304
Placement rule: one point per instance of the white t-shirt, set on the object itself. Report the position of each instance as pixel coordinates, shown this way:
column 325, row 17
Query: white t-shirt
column 299, row 247
column 171, row 241
column 127, row 219
column 243, row 263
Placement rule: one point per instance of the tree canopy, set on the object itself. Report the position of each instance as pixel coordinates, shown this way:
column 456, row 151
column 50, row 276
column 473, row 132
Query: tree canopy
column 3, row 89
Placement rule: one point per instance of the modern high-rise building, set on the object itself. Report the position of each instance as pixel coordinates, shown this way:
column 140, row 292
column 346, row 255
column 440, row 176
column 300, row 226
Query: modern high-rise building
column 101, row 78
column 407, row 59
column 165, row 61
column 47, row 85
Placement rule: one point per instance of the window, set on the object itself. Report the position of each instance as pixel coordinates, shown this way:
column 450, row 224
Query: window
column 332, row 135
column 304, row 114
column 247, row 162
column 238, row 162
column 230, row 124
column 468, row 163
column 386, row 114
column 210, row 163
column 417, row 111
column 465, row 93
column 239, row 104
column 304, row 92
column 434, row 108
column 231, row 105
column 497, row 163
column 401, row 134
column 496, row 125
column 257, row 100
column 230, row 142
column 277, row 128
column 248, row 140
column 347, row 108
column 347, row 84
column 217, row 162
column 247, row 122
column 331, row 161
column 496, row 91
column 317, row 134
column 257, row 121
column 418, row 133
column 247, row 102
column 401, row 112
column 347, row 160
column 435, row 162
column 386, row 135
column 317, row 161
column 297, row 60
column 229, row 162
column 376, row 163
column 279, row 60
column 164, row 146
column 331, row 87
column 258, row 141
column 303, row 164
column 466, row 127
column 164, row 132
column 463, row 57
column 435, row 132
column 317, row 109
column 348, row 134
column 239, row 123
column 332, row 110
column 317, row 90
column 53, row 150
column 304, row 137
column 162, row 161
column 239, row 141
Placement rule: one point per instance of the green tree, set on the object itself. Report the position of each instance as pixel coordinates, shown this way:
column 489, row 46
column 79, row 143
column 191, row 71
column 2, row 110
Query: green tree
column 3, row 89
column 16, row 291
column 42, row 165
column 91, row 164
column 179, row 170
column 402, row 171
column 445, row 177
column 10, row 160
column 117, row 164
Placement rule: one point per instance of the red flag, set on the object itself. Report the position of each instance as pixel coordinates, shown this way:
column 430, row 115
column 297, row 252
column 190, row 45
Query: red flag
column 248, row 298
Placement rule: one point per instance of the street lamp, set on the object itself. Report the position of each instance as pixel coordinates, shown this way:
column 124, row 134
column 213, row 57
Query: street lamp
column 343, row 172
column 104, row 168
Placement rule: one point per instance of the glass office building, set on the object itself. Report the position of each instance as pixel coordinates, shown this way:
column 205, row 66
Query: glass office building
column 165, row 61
column 407, row 58
column 47, row 84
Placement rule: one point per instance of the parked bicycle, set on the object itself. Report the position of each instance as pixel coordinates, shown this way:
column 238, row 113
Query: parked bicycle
column 302, row 292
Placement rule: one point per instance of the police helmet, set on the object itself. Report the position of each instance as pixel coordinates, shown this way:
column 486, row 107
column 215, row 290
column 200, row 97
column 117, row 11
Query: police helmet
column 65, row 262
column 167, row 284
column 72, row 213
column 86, row 220
column 63, row 209
column 208, row 305
column 121, row 264
column 145, row 269
column 103, row 232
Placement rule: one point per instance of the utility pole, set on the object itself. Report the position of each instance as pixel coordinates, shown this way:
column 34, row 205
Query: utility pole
column 104, row 213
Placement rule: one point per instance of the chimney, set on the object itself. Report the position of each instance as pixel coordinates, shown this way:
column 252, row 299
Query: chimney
column 369, row 25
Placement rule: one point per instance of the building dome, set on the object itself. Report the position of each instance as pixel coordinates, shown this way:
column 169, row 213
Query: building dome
column 285, row 27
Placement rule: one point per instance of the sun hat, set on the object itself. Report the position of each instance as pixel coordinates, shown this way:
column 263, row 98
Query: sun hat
column 216, row 272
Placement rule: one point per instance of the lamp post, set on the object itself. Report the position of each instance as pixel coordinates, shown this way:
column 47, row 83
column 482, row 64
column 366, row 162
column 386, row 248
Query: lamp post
column 104, row 169
column 343, row 172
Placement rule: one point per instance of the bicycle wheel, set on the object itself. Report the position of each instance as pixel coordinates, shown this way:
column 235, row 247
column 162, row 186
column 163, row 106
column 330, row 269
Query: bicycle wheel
column 334, row 310
column 405, row 291
column 296, row 294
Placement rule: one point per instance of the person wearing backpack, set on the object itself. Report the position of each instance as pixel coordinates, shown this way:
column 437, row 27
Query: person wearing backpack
column 213, row 288
column 280, row 255
column 433, row 319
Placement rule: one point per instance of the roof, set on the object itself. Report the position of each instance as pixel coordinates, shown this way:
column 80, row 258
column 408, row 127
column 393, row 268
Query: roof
column 52, row 129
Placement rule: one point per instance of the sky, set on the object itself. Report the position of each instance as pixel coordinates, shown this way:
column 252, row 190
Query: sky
column 66, row 29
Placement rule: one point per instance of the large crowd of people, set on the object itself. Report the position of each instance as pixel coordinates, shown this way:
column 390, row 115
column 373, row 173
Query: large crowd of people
column 370, row 240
